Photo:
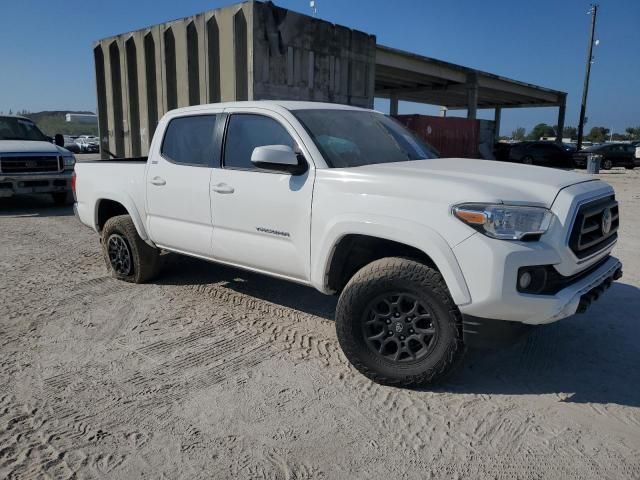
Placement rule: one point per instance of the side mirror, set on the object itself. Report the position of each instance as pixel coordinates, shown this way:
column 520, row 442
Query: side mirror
column 59, row 140
column 280, row 158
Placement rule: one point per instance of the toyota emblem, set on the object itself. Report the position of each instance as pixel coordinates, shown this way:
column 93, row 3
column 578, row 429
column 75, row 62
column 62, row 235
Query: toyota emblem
column 606, row 221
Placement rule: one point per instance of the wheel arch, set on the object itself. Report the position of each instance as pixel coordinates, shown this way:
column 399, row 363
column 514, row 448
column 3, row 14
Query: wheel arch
column 347, row 245
column 109, row 206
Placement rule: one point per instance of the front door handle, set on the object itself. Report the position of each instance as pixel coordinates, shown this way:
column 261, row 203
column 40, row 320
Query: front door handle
column 158, row 181
column 223, row 188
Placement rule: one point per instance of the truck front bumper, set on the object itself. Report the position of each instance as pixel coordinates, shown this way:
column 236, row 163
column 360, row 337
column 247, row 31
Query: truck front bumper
column 35, row 183
column 490, row 269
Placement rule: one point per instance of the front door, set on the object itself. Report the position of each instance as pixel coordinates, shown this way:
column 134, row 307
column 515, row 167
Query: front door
column 178, row 194
column 261, row 219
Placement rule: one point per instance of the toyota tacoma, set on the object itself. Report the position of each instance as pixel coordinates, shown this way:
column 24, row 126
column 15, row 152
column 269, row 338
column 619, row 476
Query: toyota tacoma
column 427, row 255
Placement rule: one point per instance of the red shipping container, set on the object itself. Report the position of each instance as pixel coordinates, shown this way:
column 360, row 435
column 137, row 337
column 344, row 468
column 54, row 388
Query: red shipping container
column 451, row 136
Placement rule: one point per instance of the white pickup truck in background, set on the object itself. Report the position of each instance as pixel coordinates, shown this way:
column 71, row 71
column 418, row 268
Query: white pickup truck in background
column 427, row 255
column 31, row 163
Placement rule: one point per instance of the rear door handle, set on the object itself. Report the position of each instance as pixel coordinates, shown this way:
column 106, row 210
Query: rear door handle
column 158, row 181
column 223, row 188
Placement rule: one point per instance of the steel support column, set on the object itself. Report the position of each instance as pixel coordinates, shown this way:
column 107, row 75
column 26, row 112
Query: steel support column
column 472, row 96
column 393, row 105
column 497, row 115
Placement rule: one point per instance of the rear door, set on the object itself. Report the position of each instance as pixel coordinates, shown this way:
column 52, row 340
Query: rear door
column 178, row 195
column 262, row 219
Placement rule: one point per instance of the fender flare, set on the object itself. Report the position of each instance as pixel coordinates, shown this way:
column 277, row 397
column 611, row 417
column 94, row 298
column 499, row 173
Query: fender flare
column 128, row 203
column 398, row 230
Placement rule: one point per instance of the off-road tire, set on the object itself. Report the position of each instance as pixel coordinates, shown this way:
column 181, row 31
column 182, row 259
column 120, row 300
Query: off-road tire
column 62, row 199
column 400, row 274
column 145, row 259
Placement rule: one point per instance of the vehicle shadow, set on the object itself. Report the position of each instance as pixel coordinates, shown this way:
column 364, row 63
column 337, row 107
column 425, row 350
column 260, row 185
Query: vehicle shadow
column 182, row 270
column 32, row 206
column 588, row 358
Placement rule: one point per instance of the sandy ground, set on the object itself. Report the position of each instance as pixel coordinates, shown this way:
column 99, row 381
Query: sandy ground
column 210, row 372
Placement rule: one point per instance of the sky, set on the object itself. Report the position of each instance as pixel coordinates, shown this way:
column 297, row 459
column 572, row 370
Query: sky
column 47, row 62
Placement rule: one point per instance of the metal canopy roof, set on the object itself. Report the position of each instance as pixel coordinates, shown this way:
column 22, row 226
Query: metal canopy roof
column 407, row 76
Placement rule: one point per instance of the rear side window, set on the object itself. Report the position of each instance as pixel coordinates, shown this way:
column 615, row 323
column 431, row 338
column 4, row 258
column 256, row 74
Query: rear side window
column 248, row 131
column 191, row 141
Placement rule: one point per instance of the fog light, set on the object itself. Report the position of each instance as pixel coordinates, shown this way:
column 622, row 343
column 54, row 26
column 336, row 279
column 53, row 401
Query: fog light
column 525, row 280
column 532, row 279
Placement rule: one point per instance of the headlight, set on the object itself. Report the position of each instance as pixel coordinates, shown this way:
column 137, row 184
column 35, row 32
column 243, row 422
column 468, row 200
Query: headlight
column 69, row 162
column 505, row 222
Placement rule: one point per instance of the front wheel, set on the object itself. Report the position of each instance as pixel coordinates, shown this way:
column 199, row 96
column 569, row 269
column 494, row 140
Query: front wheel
column 398, row 325
column 607, row 164
column 127, row 256
column 527, row 160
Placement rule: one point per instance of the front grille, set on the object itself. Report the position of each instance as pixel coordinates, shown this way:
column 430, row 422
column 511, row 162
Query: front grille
column 30, row 164
column 588, row 235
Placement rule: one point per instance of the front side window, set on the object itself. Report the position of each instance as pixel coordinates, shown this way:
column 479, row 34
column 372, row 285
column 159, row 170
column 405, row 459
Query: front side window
column 352, row 138
column 248, row 131
column 190, row 140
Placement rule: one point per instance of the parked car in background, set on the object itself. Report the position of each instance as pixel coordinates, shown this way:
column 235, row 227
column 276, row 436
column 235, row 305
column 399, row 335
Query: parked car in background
column 501, row 150
column 31, row 163
column 611, row 155
column 70, row 144
column 88, row 144
column 542, row 153
column 636, row 145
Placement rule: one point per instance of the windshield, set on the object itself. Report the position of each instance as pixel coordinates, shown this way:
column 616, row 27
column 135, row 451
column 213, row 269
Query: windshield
column 351, row 138
column 14, row 128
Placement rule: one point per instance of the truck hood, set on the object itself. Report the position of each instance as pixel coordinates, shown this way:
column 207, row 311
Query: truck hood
column 456, row 180
column 30, row 146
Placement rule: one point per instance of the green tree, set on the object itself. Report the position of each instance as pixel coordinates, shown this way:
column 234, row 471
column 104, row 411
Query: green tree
column 541, row 130
column 518, row 134
column 633, row 133
column 598, row 134
column 570, row 132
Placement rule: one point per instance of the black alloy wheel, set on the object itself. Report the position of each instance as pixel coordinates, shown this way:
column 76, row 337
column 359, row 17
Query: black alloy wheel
column 119, row 255
column 399, row 327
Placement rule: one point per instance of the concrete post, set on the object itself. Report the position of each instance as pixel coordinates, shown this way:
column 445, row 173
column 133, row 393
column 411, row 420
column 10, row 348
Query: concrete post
column 561, row 113
column 472, row 96
column 393, row 105
column 496, row 121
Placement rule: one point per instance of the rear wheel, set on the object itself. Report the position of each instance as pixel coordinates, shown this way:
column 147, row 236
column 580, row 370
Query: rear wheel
column 127, row 256
column 62, row 198
column 607, row 164
column 528, row 160
column 398, row 325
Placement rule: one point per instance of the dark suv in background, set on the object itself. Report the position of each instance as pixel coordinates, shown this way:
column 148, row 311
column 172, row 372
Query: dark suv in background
column 543, row 153
column 611, row 155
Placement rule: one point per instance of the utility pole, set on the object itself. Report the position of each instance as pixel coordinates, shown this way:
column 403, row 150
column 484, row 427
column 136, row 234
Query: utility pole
column 585, row 88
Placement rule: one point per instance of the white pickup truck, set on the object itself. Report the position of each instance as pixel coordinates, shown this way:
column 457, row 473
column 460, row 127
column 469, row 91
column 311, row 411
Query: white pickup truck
column 427, row 255
column 31, row 163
